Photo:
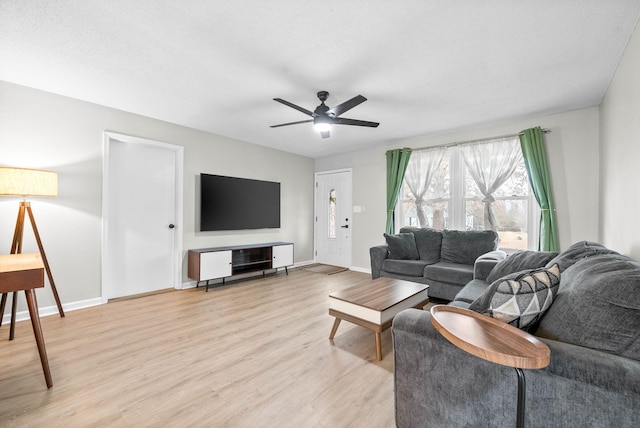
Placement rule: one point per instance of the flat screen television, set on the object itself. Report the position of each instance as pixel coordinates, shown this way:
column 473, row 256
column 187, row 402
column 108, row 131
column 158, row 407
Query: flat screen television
column 231, row 203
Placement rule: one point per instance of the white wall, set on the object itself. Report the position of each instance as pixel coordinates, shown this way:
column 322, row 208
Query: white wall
column 43, row 130
column 620, row 155
column 572, row 147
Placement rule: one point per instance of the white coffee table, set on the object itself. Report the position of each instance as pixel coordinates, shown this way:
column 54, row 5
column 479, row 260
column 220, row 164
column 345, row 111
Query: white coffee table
column 374, row 303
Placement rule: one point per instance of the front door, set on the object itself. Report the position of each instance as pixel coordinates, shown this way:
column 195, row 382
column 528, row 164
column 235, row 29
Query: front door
column 334, row 225
column 142, row 212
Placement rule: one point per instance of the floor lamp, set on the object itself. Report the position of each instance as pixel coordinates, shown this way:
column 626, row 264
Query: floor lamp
column 27, row 182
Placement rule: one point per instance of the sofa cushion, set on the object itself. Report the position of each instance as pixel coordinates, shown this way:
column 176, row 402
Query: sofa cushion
column 465, row 246
column 522, row 260
column 470, row 292
column 598, row 306
column 428, row 242
column 453, row 273
column 578, row 251
column 520, row 299
column 404, row 267
column 402, row 246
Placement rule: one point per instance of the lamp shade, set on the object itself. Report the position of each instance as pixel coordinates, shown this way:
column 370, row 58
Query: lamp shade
column 27, row 182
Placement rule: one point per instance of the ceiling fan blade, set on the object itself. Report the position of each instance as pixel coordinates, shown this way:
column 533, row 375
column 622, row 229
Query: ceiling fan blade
column 291, row 123
column 347, row 105
column 300, row 109
column 324, row 134
column 345, row 121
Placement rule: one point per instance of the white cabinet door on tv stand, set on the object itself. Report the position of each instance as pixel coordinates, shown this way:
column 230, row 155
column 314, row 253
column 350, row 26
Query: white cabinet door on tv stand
column 215, row 264
column 282, row 256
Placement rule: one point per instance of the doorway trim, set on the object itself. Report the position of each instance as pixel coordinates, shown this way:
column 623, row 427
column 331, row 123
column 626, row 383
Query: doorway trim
column 179, row 173
column 315, row 211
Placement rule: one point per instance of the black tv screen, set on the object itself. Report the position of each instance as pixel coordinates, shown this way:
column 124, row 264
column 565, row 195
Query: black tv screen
column 230, row 203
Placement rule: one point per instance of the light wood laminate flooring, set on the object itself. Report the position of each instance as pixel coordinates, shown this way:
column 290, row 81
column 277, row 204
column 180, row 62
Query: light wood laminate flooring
column 252, row 353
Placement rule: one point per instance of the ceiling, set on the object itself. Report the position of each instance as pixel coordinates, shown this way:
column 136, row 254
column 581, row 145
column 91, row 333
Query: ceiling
column 426, row 66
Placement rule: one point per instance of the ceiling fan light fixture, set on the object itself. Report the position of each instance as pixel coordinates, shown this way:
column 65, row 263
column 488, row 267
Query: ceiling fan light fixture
column 322, row 126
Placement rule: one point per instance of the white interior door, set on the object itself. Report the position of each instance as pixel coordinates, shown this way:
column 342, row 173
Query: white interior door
column 142, row 216
column 334, row 224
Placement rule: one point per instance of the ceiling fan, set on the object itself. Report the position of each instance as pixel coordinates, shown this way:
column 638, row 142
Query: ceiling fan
column 324, row 117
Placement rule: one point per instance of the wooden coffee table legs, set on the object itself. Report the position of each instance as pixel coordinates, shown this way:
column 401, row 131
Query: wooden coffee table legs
column 376, row 328
column 336, row 323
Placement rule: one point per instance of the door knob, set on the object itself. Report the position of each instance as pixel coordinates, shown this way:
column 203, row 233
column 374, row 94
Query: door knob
column 171, row 226
column 346, row 226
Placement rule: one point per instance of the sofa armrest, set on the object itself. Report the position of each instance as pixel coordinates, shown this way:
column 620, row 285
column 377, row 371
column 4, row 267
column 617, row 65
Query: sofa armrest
column 609, row 372
column 439, row 385
column 378, row 255
column 485, row 263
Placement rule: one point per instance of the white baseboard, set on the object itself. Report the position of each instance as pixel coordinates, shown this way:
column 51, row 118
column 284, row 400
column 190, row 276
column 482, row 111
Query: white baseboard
column 188, row 284
column 53, row 310
column 359, row 269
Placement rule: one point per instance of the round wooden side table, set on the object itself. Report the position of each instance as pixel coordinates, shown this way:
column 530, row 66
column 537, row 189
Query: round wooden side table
column 494, row 341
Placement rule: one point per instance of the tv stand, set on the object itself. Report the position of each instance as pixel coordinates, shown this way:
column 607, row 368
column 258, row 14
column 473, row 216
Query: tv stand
column 206, row 264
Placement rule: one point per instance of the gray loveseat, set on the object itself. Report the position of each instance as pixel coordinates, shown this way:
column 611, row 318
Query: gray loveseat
column 442, row 259
column 592, row 328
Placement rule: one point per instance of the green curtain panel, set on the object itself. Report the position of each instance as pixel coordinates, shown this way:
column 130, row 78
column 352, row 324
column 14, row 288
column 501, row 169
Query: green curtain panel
column 397, row 161
column 535, row 160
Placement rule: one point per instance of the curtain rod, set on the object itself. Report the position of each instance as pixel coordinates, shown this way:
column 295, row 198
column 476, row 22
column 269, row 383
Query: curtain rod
column 459, row 143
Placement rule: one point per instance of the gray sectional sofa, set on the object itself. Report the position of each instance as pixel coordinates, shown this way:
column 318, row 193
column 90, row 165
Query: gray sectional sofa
column 442, row 259
column 592, row 328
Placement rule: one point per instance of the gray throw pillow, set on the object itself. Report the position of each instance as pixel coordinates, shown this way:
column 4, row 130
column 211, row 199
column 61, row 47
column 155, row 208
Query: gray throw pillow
column 520, row 299
column 465, row 246
column 522, row 260
column 428, row 242
column 402, row 246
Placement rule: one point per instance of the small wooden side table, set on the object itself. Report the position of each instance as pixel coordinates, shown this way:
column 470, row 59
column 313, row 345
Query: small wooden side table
column 26, row 272
column 494, row 341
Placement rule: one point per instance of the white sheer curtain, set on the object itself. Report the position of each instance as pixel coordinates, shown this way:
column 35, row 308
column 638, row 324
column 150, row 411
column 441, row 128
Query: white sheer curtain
column 490, row 164
column 420, row 170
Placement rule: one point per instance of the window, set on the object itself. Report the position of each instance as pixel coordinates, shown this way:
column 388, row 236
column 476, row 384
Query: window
column 452, row 198
column 332, row 213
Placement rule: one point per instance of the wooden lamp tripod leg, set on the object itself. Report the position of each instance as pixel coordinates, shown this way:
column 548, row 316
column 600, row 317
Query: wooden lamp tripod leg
column 16, row 244
column 16, row 248
column 44, row 258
